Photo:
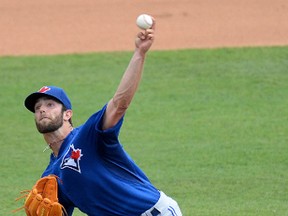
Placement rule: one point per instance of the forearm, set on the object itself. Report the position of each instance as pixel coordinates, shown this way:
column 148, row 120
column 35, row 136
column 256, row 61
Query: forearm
column 125, row 92
column 129, row 82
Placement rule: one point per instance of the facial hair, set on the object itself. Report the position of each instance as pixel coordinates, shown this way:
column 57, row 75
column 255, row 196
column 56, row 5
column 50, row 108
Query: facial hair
column 51, row 126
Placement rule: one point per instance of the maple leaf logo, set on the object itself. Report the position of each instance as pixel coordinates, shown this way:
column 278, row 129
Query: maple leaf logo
column 44, row 89
column 76, row 154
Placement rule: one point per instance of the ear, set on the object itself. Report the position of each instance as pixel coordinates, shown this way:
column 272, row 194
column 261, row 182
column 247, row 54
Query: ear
column 67, row 115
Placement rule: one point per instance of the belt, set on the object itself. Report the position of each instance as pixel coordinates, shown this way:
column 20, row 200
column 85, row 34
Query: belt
column 154, row 212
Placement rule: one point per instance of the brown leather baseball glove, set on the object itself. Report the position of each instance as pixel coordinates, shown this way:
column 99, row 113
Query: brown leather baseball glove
column 42, row 200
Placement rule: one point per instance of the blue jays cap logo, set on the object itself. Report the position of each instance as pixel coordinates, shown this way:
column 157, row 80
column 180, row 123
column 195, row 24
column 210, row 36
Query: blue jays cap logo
column 44, row 89
column 71, row 159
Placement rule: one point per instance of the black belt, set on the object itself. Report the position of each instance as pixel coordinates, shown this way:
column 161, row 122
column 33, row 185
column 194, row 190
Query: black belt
column 155, row 212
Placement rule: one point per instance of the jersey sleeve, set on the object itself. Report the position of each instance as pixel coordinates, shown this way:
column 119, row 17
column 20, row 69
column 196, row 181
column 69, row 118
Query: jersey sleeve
column 111, row 135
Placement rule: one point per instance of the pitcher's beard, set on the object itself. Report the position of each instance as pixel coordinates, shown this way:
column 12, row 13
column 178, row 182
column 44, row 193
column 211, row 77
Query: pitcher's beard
column 51, row 126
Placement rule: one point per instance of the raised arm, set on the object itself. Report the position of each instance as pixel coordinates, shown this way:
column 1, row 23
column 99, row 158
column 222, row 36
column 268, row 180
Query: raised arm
column 129, row 83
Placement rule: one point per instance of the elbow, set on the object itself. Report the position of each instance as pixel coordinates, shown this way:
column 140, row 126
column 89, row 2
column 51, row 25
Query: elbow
column 121, row 109
column 121, row 105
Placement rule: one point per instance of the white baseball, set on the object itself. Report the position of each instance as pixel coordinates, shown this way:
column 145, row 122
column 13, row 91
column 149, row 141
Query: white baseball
column 144, row 21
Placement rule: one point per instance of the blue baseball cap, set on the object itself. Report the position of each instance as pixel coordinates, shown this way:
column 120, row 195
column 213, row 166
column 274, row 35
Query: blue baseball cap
column 50, row 91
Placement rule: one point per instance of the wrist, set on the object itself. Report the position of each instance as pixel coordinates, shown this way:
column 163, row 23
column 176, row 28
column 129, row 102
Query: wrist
column 140, row 53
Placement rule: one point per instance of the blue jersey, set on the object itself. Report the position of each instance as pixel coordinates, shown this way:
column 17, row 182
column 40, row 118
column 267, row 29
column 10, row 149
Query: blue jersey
column 97, row 175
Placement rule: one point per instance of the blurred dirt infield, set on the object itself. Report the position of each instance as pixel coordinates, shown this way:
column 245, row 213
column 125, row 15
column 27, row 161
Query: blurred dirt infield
column 76, row 26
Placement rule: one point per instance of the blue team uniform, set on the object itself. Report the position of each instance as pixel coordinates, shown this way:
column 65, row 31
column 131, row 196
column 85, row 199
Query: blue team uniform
column 97, row 175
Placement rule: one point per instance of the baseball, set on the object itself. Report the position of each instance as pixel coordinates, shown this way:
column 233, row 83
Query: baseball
column 144, row 21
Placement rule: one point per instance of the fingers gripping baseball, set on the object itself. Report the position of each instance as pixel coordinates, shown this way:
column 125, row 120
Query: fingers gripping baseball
column 145, row 39
column 147, row 35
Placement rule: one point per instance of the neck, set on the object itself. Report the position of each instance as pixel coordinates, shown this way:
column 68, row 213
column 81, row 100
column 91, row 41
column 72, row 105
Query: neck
column 55, row 139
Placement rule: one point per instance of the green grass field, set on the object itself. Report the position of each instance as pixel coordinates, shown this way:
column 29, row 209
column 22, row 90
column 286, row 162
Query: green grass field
column 209, row 127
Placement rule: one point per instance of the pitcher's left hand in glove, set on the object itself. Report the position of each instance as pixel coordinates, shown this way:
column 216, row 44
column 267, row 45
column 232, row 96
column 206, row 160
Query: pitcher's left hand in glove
column 42, row 200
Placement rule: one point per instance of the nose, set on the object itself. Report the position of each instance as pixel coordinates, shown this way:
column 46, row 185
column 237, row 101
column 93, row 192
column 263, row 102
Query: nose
column 41, row 109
